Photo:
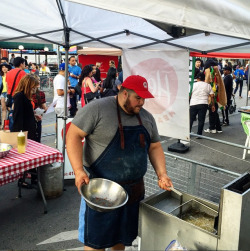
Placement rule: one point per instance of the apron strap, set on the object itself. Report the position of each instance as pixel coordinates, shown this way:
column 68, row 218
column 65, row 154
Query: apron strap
column 142, row 137
column 120, row 126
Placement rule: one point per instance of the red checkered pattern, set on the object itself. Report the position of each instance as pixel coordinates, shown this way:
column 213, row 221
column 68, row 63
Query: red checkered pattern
column 36, row 154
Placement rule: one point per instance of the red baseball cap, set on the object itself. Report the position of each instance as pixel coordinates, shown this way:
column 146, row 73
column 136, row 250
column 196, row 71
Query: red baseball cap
column 139, row 85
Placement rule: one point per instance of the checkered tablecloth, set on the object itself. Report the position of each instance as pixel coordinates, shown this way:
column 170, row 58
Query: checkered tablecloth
column 36, row 154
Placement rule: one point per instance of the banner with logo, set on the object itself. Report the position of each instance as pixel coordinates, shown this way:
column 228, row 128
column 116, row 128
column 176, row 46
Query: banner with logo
column 167, row 73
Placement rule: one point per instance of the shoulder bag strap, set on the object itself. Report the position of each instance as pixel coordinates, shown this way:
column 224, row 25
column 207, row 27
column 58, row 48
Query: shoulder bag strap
column 14, row 83
column 84, row 91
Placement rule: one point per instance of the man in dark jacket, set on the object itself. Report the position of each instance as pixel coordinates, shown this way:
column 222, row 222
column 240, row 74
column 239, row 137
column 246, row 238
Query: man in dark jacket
column 97, row 75
column 228, row 82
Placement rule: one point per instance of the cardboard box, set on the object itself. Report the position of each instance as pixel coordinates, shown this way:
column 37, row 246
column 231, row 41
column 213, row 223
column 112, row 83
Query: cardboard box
column 11, row 138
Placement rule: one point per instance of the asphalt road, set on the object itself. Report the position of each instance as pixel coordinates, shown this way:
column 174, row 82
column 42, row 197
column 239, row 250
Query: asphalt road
column 23, row 226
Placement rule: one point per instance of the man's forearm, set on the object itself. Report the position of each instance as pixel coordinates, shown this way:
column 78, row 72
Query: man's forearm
column 74, row 150
column 157, row 158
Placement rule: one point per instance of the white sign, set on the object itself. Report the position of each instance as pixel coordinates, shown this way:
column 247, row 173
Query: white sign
column 167, row 73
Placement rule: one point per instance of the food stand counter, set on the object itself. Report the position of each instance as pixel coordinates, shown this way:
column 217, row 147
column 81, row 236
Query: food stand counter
column 167, row 216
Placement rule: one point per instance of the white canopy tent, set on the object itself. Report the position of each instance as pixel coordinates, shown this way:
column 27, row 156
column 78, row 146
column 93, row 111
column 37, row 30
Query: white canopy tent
column 146, row 22
column 149, row 24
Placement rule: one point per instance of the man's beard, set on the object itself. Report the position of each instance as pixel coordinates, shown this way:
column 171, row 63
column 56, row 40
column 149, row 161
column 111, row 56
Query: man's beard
column 130, row 109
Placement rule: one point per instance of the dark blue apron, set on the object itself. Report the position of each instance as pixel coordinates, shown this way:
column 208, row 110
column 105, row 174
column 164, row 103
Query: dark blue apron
column 125, row 162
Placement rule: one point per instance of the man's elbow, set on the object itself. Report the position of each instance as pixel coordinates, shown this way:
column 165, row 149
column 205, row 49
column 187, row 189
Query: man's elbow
column 74, row 134
column 155, row 146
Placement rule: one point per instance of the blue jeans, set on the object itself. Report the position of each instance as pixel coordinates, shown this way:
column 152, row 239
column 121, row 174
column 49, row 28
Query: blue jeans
column 238, row 82
column 73, row 104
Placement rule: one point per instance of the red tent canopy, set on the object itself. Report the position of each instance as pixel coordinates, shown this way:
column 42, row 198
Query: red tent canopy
column 220, row 55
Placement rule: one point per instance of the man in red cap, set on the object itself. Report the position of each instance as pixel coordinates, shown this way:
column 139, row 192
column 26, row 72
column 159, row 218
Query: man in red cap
column 119, row 136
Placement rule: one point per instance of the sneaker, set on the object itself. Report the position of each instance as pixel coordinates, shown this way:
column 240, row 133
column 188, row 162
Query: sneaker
column 219, row 131
column 225, row 124
column 210, row 131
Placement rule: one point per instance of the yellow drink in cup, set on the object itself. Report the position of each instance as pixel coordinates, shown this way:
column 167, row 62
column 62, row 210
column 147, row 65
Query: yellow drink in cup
column 21, row 142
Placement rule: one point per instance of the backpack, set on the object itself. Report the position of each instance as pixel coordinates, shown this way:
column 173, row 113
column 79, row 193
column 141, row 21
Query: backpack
column 239, row 76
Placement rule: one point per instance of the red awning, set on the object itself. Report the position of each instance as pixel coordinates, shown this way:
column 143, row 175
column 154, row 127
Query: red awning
column 220, row 55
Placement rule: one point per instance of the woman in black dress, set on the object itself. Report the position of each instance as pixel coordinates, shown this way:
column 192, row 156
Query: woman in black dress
column 23, row 112
column 24, row 117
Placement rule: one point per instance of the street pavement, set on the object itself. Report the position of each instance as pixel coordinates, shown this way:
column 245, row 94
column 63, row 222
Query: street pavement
column 24, row 226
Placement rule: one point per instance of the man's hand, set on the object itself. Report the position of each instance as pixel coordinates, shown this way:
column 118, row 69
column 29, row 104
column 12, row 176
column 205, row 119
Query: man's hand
column 165, row 183
column 81, row 178
column 213, row 108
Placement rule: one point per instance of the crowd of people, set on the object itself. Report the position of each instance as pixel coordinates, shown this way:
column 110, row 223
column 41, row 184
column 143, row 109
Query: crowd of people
column 20, row 97
column 84, row 84
column 214, row 88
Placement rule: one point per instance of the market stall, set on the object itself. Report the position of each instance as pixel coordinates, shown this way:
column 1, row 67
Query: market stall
column 153, row 26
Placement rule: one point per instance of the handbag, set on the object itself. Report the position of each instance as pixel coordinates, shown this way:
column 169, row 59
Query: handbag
column 9, row 99
column 78, row 90
column 88, row 96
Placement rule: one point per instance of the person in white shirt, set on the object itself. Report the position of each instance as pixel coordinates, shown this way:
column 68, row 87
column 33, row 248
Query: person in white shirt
column 59, row 82
column 199, row 101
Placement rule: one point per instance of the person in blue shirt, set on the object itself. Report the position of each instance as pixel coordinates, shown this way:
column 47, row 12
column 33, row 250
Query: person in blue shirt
column 239, row 76
column 74, row 74
column 27, row 69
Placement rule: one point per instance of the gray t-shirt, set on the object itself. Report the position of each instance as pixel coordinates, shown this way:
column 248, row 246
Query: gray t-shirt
column 99, row 120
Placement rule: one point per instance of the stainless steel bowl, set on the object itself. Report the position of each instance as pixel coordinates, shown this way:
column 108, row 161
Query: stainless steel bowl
column 4, row 149
column 104, row 195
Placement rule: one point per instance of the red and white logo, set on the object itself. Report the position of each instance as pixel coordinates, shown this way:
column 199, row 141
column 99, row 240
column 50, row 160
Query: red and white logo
column 162, row 83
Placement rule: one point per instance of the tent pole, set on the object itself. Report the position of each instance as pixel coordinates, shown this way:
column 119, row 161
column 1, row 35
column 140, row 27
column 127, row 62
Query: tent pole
column 30, row 35
column 27, row 33
column 228, row 47
column 67, row 30
column 95, row 39
column 58, row 55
